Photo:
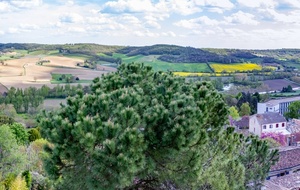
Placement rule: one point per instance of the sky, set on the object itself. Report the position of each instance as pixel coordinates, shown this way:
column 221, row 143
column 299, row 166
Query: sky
column 245, row 24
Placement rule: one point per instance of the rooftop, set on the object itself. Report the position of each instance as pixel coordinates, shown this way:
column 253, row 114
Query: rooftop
column 269, row 117
column 286, row 182
column 278, row 101
column 288, row 158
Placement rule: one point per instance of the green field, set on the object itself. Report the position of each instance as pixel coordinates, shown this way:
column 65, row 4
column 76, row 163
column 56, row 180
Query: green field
column 296, row 65
column 63, row 79
column 158, row 65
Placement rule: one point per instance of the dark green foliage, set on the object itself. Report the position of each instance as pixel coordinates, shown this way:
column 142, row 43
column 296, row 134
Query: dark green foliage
column 251, row 99
column 27, row 176
column 33, row 134
column 6, row 120
column 287, row 89
column 143, row 129
column 257, row 159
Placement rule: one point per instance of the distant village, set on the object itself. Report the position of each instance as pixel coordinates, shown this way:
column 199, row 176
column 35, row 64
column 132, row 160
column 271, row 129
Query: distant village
column 269, row 121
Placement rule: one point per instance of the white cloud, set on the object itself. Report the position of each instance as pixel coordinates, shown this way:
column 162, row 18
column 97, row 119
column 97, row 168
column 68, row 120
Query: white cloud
column 70, row 3
column 169, row 34
column 29, row 26
column 290, row 17
column 130, row 19
column 184, row 7
column 258, row 3
column 294, row 3
column 5, row 6
column 13, row 30
column 71, row 18
column 242, row 18
column 97, row 20
column 215, row 10
column 146, row 34
column 224, row 4
column 76, row 29
column 152, row 24
column 26, row 3
column 197, row 22
column 2, row 32
column 129, row 5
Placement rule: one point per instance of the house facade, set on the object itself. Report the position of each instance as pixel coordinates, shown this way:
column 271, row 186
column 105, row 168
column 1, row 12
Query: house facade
column 269, row 122
column 277, row 106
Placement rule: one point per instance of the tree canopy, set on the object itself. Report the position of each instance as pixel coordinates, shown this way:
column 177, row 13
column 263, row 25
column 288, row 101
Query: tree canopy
column 143, row 129
column 293, row 110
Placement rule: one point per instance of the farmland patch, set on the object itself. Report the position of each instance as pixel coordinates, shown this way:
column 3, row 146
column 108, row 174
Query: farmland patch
column 157, row 65
column 218, row 68
column 278, row 84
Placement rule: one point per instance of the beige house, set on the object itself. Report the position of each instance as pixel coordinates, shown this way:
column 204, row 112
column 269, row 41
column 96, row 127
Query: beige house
column 269, row 122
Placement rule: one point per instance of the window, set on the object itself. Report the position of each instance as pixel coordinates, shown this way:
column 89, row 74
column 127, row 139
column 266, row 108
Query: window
column 282, row 124
column 271, row 126
column 264, row 126
column 277, row 125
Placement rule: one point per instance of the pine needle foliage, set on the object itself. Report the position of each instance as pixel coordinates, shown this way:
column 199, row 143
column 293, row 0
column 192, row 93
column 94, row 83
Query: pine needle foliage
column 140, row 129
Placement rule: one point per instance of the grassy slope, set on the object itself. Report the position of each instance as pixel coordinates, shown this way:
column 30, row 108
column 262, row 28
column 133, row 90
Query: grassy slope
column 163, row 66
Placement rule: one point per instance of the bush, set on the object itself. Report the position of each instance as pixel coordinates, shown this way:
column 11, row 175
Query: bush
column 27, row 176
column 20, row 133
column 33, row 134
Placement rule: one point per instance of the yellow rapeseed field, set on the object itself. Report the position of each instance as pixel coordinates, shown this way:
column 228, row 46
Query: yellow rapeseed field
column 235, row 67
column 189, row 74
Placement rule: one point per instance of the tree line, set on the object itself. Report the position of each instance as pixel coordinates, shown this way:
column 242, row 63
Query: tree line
column 29, row 99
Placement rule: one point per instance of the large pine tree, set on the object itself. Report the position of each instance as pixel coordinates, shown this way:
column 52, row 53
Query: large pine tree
column 140, row 129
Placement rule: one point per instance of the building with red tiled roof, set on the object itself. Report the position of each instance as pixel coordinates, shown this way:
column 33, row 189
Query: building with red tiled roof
column 289, row 162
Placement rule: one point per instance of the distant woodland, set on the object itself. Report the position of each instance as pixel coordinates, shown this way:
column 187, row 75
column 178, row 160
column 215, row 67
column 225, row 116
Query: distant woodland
column 168, row 53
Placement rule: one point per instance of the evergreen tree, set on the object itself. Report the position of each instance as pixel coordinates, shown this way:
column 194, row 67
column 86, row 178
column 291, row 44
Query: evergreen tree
column 141, row 129
column 257, row 159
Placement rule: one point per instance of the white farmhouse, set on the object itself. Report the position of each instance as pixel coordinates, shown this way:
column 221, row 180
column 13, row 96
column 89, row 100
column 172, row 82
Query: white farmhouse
column 278, row 105
column 269, row 123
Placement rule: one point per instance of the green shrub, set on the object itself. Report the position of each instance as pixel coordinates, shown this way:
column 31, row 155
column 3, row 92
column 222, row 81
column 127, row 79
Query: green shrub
column 33, row 134
column 27, row 176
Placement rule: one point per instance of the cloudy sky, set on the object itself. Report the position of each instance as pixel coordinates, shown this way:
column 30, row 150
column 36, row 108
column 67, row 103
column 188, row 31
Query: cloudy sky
column 251, row 24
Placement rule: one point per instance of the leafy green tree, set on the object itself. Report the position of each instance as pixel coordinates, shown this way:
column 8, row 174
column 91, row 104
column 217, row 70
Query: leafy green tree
column 245, row 109
column 233, row 112
column 20, row 133
column 12, row 159
column 141, row 129
column 293, row 112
